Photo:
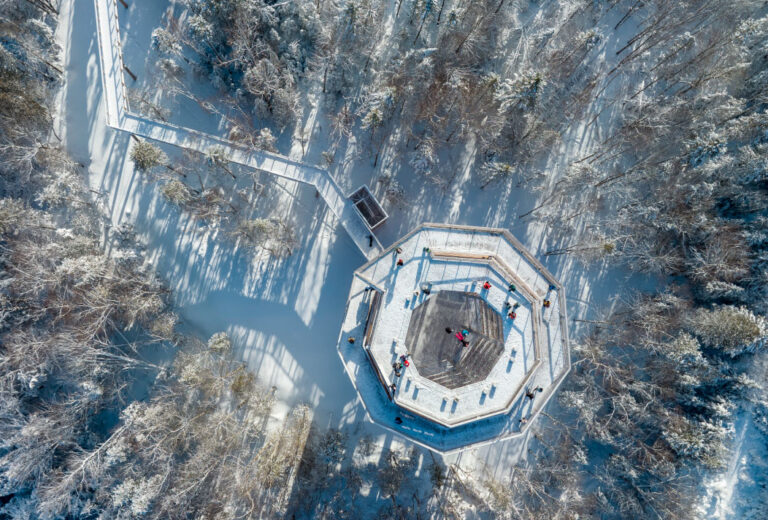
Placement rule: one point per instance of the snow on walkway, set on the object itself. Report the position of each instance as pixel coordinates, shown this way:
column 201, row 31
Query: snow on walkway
column 121, row 118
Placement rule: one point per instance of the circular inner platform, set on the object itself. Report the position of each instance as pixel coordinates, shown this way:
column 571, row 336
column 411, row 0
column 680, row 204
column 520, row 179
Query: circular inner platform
column 440, row 355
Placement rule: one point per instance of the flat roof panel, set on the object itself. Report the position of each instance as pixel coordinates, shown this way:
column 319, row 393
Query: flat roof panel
column 368, row 206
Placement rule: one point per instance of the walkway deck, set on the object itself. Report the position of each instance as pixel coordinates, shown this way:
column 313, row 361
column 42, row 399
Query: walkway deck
column 121, row 118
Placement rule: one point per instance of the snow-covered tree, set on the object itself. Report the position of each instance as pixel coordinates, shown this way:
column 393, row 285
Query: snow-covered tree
column 734, row 330
column 520, row 92
column 496, row 172
column 254, row 48
column 218, row 159
column 146, row 156
column 165, row 42
column 219, row 343
column 265, row 140
column 177, row 192
column 273, row 235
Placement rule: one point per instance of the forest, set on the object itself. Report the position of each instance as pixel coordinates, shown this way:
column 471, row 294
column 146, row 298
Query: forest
column 628, row 138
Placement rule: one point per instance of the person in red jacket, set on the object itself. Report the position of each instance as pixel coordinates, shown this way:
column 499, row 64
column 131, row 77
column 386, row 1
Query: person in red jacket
column 487, row 285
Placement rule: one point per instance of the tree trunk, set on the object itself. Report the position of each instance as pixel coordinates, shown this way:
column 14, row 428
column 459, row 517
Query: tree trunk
column 325, row 77
column 418, row 33
column 440, row 12
column 46, row 5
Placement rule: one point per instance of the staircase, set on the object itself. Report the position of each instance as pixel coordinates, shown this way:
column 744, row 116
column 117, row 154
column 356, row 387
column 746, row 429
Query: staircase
column 440, row 356
column 473, row 363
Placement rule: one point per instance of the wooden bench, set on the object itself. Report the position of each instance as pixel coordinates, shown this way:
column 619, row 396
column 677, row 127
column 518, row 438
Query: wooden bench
column 494, row 261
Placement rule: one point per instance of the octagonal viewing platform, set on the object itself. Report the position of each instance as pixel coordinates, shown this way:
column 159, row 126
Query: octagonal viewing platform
column 442, row 296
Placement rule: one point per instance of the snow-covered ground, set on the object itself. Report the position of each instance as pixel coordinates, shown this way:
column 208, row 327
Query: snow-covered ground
column 279, row 313
column 284, row 316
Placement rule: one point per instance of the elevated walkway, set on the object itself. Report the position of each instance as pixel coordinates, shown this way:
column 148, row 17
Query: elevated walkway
column 121, row 118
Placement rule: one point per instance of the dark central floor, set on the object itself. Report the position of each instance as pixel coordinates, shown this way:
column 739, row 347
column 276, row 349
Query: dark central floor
column 440, row 356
